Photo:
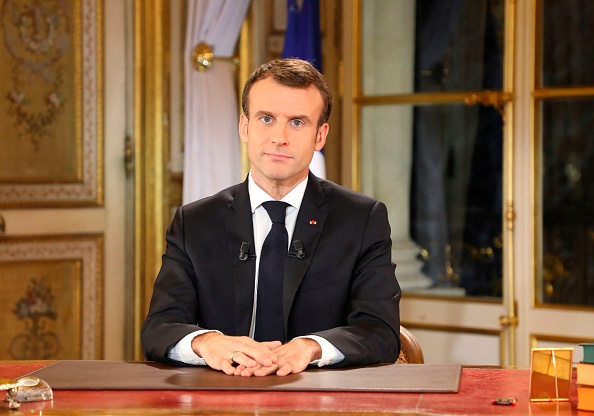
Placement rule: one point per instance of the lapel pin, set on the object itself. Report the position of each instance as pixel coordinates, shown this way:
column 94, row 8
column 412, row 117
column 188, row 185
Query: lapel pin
column 313, row 222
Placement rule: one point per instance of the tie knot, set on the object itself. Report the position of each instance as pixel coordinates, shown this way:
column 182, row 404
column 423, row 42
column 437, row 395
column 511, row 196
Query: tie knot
column 276, row 210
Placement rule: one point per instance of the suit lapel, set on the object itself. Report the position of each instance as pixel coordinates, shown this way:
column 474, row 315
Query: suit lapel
column 240, row 229
column 308, row 228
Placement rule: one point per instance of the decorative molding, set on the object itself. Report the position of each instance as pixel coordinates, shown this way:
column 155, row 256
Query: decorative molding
column 84, row 249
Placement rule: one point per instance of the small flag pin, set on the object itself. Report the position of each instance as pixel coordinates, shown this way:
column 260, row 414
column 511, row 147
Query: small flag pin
column 313, row 222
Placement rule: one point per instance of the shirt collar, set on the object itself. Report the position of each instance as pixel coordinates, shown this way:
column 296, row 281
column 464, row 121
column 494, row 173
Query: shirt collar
column 258, row 195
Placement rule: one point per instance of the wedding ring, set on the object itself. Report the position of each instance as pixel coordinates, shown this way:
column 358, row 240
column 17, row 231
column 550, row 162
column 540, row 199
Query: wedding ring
column 275, row 367
column 233, row 355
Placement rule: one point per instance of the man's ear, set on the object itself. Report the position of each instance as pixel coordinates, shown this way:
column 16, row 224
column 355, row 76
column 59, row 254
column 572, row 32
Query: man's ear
column 243, row 128
column 321, row 135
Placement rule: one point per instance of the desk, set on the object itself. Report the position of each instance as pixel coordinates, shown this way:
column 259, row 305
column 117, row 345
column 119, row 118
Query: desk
column 478, row 387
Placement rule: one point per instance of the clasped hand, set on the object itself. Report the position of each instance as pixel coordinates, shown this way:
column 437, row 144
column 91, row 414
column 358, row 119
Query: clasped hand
column 242, row 356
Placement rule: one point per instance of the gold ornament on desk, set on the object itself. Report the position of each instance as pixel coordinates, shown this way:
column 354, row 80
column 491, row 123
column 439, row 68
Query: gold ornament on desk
column 202, row 57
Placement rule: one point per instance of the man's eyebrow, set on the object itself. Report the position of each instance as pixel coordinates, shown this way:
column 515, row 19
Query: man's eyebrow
column 300, row 117
column 263, row 113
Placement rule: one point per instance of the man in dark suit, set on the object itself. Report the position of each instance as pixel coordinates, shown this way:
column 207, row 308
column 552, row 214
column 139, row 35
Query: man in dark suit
column 340, row 298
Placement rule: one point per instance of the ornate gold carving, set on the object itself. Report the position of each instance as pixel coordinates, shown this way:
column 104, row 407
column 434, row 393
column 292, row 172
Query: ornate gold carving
column 37, row 38
column 495, row 99
column 33, row 308
column 202, row 56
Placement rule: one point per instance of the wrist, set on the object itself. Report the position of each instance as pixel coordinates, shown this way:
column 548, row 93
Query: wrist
column 199, row 341
column 314, row 347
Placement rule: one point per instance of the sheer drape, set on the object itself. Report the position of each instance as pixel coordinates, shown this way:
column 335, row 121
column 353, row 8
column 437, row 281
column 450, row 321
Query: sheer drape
column 211, row 153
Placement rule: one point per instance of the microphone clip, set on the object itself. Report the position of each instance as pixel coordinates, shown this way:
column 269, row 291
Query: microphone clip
column 244, row 250
column 299, row 250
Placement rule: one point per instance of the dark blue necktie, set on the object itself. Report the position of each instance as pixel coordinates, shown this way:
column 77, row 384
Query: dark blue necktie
column 269, row 309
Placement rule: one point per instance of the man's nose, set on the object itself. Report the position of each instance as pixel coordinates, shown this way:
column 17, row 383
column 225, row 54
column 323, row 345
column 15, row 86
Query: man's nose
column 280, row 137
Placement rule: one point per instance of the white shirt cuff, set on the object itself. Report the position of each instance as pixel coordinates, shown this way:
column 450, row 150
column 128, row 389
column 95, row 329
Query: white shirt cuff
column 330, row 354
column 183, row 352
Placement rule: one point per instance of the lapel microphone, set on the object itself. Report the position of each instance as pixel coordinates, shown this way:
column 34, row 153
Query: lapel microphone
column 297, row 245
column 299, row 250
column 243, row 251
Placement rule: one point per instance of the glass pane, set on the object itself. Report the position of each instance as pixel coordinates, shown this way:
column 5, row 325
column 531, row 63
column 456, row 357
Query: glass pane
column 439, row 170
column 567, row 47
column 431, row 45
column 568, row 202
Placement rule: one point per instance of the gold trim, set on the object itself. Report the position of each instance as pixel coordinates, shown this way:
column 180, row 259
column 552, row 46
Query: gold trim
column 432, row 98
column 151, row 41
column 536, row 51
column 79, row 94
column 357, row 89
column 450, row 328
column 245, row 69
column 536, row 337
column 561, row 307
column 510, row 322
column 536, row 218
column 100, row 63
column 542, row 93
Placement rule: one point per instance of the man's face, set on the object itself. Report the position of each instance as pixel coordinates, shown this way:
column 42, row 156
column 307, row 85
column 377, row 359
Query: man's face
column 282, row 132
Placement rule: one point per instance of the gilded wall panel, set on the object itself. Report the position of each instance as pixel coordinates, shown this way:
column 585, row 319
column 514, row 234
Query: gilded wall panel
column 50, row 103
column 51, row 301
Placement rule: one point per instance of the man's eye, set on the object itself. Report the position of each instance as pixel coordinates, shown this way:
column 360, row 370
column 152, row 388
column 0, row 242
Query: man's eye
column 297, row 123
column 267, row 119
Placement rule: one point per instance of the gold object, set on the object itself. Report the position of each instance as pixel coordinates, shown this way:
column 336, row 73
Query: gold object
column 550, row 374
column 10, row 386
column 202, row 56
column 129, row 156
column 2, row 225
column 487, row 98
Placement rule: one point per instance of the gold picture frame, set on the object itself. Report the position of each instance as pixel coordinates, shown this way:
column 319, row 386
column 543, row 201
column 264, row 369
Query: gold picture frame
column 51, row 301
column 51, row 104
column 550, row 374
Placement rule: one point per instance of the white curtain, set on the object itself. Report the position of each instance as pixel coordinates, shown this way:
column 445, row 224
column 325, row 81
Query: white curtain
column 211, row 142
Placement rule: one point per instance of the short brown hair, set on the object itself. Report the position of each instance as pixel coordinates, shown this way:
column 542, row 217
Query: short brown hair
column 290, row 72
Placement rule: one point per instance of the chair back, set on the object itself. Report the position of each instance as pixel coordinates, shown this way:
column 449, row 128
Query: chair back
column 410, row 349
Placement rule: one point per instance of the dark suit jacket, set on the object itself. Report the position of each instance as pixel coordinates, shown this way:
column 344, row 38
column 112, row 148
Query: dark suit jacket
column 344, row 290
